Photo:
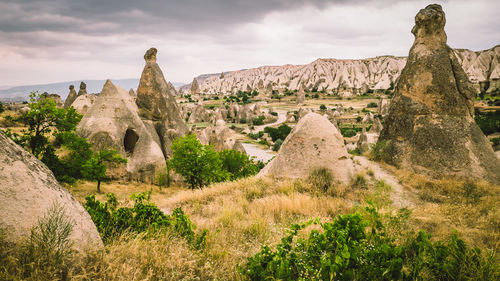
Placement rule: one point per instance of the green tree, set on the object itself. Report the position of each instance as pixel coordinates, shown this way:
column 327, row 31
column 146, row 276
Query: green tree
column 95, row 168
column 238, row 164
column 43, row 120
column 199, row 164
column 2, row 109
column 322, row 107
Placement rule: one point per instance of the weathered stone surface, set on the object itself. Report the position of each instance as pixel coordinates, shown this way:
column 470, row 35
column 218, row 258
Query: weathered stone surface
column 83, row 103
column 28, row 190
column 430, row 126
column 83, row 89
column 301, row 96
column 71, row 97
column 195, row 87
column 113, row 122
column 199, row 114
column 314, row 142
column 157, row 103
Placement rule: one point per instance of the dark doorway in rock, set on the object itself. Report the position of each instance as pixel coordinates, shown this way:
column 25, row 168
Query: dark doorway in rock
column 130, row 140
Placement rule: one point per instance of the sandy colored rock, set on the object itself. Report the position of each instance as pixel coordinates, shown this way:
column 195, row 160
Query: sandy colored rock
column 83, row 103
column 157, row 104
column 113, row 122
column 376, row 127
column 83, row 89
column 29, row 190
column 301, row 97
column 199, row 114
column 313, row 142
column 195, row 87
column 430, row 126
column 71, row 97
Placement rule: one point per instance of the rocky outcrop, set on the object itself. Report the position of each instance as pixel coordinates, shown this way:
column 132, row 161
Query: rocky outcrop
column 71, row 97
column 195, row 87
column 346, row 77
column 55, row 97
column 430, row 126
column 28, row 190
column 314, row 142
column 199, row 114
column 157, row 105
column 113, row 122
column 301, row 97
column 83, row 89
column 83, row 103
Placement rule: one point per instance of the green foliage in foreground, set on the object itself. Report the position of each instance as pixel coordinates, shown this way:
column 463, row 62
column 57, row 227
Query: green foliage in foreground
column 238, row 164
column 351, row 248
column 145, row 216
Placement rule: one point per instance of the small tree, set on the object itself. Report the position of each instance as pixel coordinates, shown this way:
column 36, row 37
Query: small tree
column 2, row 109
column 322, row 107
column 95, row 168
column 199, row 164
column 238, row 164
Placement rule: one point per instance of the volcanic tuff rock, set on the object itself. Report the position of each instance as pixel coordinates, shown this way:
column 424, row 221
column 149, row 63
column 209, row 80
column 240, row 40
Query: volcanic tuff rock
column 83, row 89
column 430, row 126
column 83, row 103
column 346, row 77
column 113, row 122
column 157, row 104
column 195, row 88
column 28, row 189
column 71, row 97
column 314, row 142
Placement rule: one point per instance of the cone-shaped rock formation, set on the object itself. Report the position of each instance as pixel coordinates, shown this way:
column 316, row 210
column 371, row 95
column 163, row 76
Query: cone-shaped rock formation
column 430, row 126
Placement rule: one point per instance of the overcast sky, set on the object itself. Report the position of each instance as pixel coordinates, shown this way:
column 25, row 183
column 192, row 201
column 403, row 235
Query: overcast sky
column 49, row 41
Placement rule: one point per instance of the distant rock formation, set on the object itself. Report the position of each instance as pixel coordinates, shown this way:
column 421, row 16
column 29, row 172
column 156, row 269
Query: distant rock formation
column 430, row 126
column 195, row 87
column 157, row 104
column 71, row 97
column 314, row 142
column 301, row 96
column 28, row 190
column 55, row 97
column 345, row 77
column 83, row 89
column 199, row 114
column 113, row 122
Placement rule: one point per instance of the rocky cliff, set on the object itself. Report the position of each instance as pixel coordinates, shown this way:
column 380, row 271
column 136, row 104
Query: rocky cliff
column 346, row 77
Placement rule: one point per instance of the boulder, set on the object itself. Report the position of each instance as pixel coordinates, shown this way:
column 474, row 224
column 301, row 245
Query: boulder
column 71, row 97
column 113, row 122
column 157, row 105
column 313, row 142
column 430, row 127
column 29, row 190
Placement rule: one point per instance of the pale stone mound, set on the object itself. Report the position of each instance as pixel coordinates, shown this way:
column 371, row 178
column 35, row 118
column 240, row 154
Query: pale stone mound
column 28, row 190
column 199, row 114
column 430, row 126
column 195, row 87
column 383, row 107
column 301, row 97
column 314, row 142
column 113, row 122
column 83, row 103
column 157, row 104
column 376, row 127
column 71, row 97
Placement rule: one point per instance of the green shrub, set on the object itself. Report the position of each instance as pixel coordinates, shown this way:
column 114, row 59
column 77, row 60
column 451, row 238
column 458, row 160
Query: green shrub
column 348, row 132
column 243, row 120
column 264, row 142
column 199, row 164
column 353, row 247
column 322, row 107
column 382, row 151
column 321, row 178
column 2, row 109
column 372, row 105
column 238, row 164
column 359, row 181
column 111, row 221
column 258, row 120
column 278, row 133
column 277, row 144
column 274, row 113
column 256, row 136
column 489, row 122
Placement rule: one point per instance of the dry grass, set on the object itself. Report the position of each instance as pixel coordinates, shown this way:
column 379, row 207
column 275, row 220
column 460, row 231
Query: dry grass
column 450, row 204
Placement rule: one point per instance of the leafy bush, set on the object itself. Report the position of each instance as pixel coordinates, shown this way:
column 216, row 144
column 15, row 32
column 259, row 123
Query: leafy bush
column 321, row 178
column 257, row 135
column 322, row 107
column 372, row 105
column 489, row 122
column 258, row 120
column 348, row 132
column 243, row 120
column 111, row 221
column 382, row 151
column 2, row 109
column 353, row 247
column 277, row 144
column 237, row 164
column 278, row 133
column 273, row 113
column 199, row 164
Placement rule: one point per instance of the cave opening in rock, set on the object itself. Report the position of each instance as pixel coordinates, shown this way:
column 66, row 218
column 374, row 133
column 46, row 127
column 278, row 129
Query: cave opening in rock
column 130, row 140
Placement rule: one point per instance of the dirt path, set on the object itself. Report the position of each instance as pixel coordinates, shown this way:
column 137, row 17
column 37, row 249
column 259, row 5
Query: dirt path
column 399, row 196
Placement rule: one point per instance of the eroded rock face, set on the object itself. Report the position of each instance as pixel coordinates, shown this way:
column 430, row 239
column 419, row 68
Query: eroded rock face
column 83, row 103
column 83, row 89
column 430, row 126
column 71, row 97
column 195, row 87
column 314, row 142
column 28, row 190
column 113, row 122
column 157, row 104
column 301, row 97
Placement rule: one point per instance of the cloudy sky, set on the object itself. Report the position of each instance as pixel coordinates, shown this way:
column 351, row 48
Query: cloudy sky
column 49, row 41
